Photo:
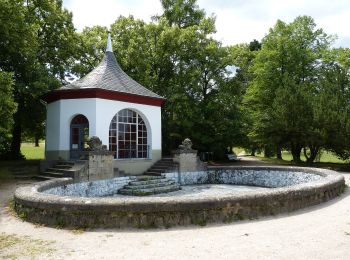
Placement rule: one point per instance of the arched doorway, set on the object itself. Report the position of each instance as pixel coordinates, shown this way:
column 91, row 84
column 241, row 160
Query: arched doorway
column 128, row 137
column 79, row 134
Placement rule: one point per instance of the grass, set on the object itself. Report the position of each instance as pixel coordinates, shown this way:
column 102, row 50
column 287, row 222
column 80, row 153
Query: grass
column 33, row 153
column 327, row 160
column 326, row 157
column 15, row 246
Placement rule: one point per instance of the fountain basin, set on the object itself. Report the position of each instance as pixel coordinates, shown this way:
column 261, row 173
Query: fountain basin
column 93, row 204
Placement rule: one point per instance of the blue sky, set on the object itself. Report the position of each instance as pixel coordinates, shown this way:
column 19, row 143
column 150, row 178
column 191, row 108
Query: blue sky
column 237, row 21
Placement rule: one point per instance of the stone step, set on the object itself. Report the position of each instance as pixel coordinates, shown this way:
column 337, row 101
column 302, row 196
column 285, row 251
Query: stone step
column 63, row 166
column 166, row 159
column 164, row 168
column 165, row 162
column 149, row 186
column 23, row 177
column 42, row 177
column 148, row 177
column 153, row 173
column 136, row 183
column 65, row 163
column 20, row 173
column 157, row 170
column 54, row 174
column 56, row 170
column 145, row 192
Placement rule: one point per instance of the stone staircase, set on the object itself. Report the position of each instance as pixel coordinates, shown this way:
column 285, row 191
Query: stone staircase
column 61, row 170
column 148, row 185
column 22, row 171
column 161, row 166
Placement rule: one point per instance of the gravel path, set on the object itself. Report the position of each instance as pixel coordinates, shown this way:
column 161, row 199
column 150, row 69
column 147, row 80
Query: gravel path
column 319, row 232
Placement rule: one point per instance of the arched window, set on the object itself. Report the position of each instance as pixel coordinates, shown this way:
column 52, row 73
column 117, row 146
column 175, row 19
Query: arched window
column 128, row 135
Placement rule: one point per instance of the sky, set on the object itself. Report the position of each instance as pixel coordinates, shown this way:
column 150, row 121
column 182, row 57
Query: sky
column 237, row 21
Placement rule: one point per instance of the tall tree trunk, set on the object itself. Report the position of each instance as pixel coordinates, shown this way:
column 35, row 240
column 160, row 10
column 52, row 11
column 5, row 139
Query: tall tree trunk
column 253, row 151
column 313, row 153
column 296, row 150
column 36, row 141
column 279, row 152
column 16, row 135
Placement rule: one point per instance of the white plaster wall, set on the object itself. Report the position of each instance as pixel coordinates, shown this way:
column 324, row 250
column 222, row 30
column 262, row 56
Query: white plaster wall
column 52, row 126
column 107, row 109
column 99, row 112
column 69, row 109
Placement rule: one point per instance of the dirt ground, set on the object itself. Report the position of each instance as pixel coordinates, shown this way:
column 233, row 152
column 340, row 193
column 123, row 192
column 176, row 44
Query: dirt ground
column 319, row 232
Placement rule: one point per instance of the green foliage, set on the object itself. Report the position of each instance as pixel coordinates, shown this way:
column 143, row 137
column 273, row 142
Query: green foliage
column 180, row 61
column 289, row 91
column 7, row 109
column 7, row 104
column 37, row 45
column 287, row 98
column 183, row 13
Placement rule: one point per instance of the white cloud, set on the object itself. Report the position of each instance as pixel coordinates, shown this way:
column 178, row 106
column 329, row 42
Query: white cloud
column 238, row 21
column 105, row 12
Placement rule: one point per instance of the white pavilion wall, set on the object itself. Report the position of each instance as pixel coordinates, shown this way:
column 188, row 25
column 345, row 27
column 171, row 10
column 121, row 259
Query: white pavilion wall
column 100, row 112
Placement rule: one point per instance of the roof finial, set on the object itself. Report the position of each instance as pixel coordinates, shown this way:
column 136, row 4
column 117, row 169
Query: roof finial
column 109, row 43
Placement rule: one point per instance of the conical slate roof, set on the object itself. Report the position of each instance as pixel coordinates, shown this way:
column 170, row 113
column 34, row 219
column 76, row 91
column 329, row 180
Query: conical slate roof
column 108, row 75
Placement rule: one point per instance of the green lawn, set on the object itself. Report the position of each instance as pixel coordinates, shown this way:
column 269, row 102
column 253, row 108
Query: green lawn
column 326, row 157
column 33, row 153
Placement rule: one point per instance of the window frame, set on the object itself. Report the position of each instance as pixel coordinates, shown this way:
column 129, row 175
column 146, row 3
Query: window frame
column 128, row 136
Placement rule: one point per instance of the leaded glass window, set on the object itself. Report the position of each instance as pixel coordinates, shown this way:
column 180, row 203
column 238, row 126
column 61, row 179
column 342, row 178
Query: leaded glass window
column 128, row 135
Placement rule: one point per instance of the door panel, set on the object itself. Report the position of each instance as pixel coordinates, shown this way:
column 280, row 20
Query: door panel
column 78, row 140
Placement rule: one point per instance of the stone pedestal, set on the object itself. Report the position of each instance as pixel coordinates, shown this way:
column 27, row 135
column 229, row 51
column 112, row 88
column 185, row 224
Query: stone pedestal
column 187, row 158
column 100, row 165
column 189, row 162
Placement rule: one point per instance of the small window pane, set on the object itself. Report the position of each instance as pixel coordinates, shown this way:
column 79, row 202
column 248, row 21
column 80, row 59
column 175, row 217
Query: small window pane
column 130, row 129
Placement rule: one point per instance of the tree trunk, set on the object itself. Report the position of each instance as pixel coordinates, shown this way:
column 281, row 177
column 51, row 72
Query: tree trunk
column 253, row 151
column 313, row 154
column 296, row 150
column 279, row 152
column 16, row 136
column 36, row 141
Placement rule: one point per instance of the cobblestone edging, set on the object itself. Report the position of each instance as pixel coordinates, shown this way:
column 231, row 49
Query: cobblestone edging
column 32, row 204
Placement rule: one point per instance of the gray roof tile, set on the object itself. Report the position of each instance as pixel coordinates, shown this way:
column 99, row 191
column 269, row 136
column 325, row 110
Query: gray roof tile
column 108, row 75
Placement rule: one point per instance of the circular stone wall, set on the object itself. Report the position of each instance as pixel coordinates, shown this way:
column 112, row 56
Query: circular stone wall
column 293, row 188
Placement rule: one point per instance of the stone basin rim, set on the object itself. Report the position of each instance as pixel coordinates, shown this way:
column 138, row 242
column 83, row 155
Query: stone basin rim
column 33, row 196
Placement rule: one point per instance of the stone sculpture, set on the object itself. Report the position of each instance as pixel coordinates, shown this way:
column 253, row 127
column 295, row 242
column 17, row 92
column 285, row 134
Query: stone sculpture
column 95, row 144
column 186, row 147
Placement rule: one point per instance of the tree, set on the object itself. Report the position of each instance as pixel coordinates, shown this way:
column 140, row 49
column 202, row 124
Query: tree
column 7, row 109
column 332, row 106
column 38, row 46
column 183, row 13
column 182, row 62
column 243, row 56
column 282, row 93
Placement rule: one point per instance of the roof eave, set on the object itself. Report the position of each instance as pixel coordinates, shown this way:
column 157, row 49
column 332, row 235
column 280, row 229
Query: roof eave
column 103, row 94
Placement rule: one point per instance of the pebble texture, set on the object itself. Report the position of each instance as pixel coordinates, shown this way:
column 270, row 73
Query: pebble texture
column 263, row 178
column 250, row 177
column 99, row 188
column 32, row 204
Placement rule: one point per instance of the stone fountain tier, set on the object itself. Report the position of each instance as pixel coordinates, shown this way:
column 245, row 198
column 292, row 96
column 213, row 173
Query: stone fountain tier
column 148, row 185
